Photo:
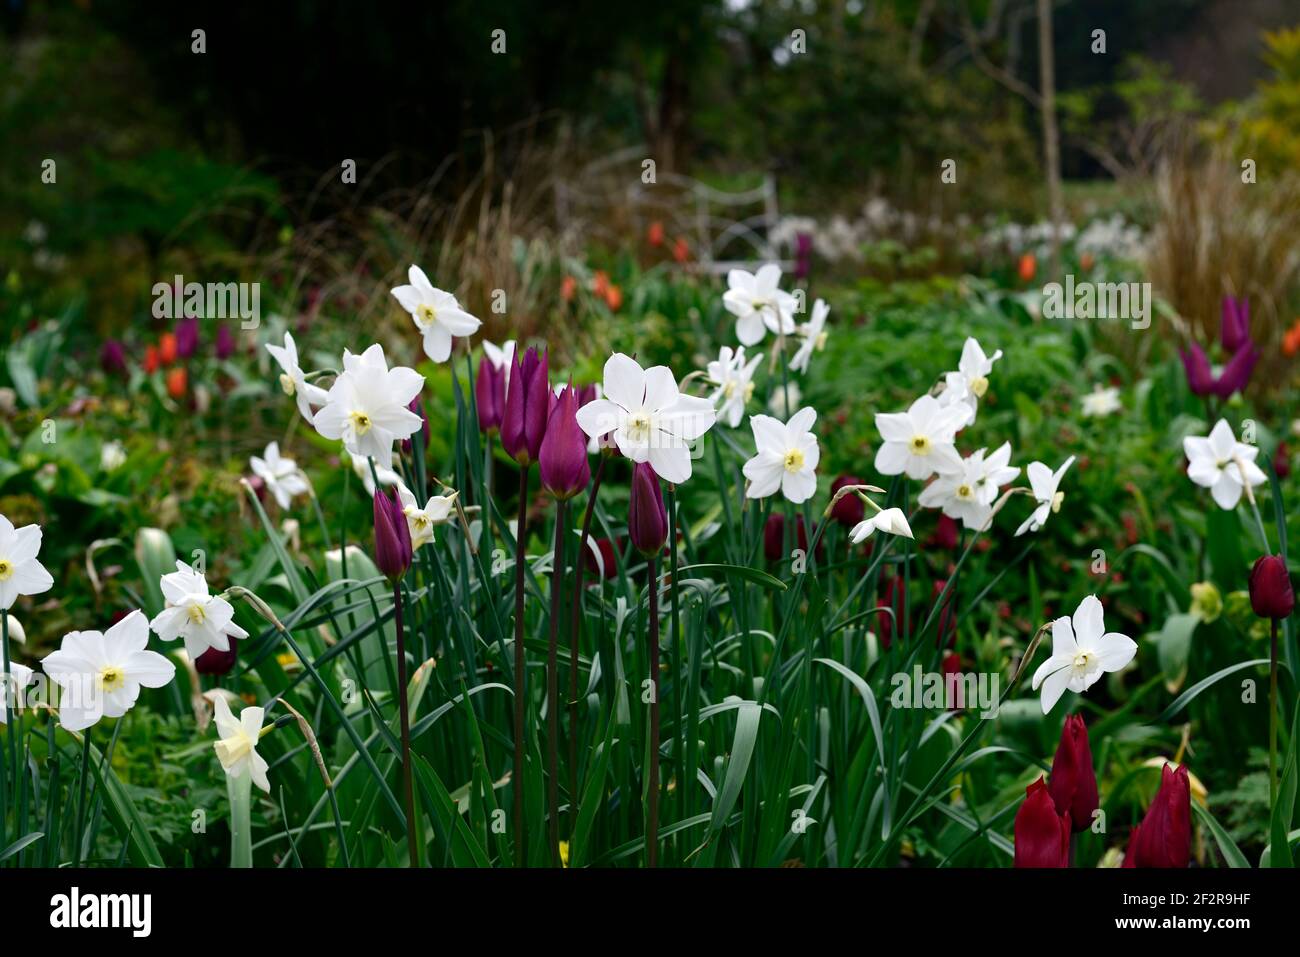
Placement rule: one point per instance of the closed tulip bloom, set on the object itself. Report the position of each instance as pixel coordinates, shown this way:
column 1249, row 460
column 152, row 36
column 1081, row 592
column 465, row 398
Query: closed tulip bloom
column 1164, row 838
column 392, row 537
column 489, row 395
column 850, row 509
column 1042, row 835
column 528, row 400
column 1271, row 594
column 1073, row 783
column 563, row 456
column 599, row 558
column 1199, row 377
column 647, row 519
column 187, row 337
column 895, row 599
column 225, row 342
column 1234, row 329
column 217, row 662
column 112, row 357
column 774, row 536
column 1236, row 374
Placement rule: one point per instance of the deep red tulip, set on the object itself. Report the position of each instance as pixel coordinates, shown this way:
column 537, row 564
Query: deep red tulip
column 563, row 457
column 528, row 403
column 1073, row 783
column 946, row 535
column 849, row 510
column 1042, row 835
column 647, row 519
column 1164, row 838
column 112, row 357
column 1271, row 594
column 895, row 598
column 607, row 560
column 946, row 635
column 774, row 536
column 392, row 536
column 214, row 662
column 1282, row 461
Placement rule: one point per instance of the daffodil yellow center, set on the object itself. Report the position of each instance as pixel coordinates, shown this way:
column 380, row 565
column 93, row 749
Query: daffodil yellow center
column 729, row 389
column 978, row 386
column 794, row 460
column 230, row 750
column 1082, row 660
column 6, row 569
column 360, row 422
column 286, row 383
column 1057, row 499
column 111, row 678
column 821, row 341
column 920, row 445
column 638, row 427
column 197, row 615
column 964, row 491
column 419, row 519
column 425, row 314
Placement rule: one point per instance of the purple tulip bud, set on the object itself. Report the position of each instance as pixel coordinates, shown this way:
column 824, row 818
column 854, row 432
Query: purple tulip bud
column 489, row 395
column 1197, row 366
column 225, row 342
column 586, row 393
column 187, row 337
column 528, row 403
column 563, row 456
column 1234, row 329
column 392, row 536
column 1236, row 374
column 214, row 662
column 1271, row 595
column 112, row 357
column 803, row 247
column 647, row 519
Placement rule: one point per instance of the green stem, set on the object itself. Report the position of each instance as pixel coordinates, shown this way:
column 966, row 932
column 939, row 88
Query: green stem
column 652, row 778
column 9, row 689
column 1272, row 716
column 579, row 568
column 553, row 691
column 412, row 834
column 239, row 788
column 521, row 684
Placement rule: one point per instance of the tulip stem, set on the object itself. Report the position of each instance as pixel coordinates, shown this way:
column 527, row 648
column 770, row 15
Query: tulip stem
column 517, row 774
column 553, row 690
column 239, row 788
column 412, row 836
column 652, row 778
column 579, row 567
column 1272, row 716
column 9, row 688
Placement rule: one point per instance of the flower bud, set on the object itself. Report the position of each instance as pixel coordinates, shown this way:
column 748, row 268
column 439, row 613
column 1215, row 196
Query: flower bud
column 528, row 402
column 392, row 537
column 1073, row 783
column 647, row 519
column 1042, row 835
column 607, row 566
column 1234, row 329
column 225, row 342
column 187, row 337
column 563, row 456
column 1164, row 838
column 489, row 395
column 850, row 509
column 1270, row 588
column 214, row 662
column 112, row 357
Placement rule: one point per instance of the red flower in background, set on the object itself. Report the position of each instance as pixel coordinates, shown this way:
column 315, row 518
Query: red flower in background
column 1042, row 835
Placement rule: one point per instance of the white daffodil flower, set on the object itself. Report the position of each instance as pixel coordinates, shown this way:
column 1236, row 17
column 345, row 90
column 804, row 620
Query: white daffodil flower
column 282, row 477
column 1082, row 651
column 1101, row 402
column 890, row 520
column 111, row 456
column 204, row 621
column 1043, row 482
column 237, row 746
column 995, row 471
column 293, row 380
column 968, row 493
column 651, row 420
column 20, row 676
column 919, row 442
column 786, row 458
column 16, row 631
column 734, row 381
column 812, row 335
column 437, row 314
column 20, row 572
column 366, row 406
column 101, row 674
column 973, row 370
column 421, row 521
column 1220, row 463
column 756, row 301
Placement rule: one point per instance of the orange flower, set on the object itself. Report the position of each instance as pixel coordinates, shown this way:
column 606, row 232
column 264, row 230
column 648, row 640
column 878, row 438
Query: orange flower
column 150, row 359
column 568, row 287
column 1027, row 267
column 655, row 234
column 600, row 283
column 177, row 382
column 167, row 348
column 1291, row 341
column 681, row 250
column 1085, row 261
column 613, row 297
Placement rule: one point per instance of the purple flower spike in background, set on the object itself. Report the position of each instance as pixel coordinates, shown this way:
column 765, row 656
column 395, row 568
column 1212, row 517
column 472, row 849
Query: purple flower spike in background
column 187, row 337
column 1234, row 329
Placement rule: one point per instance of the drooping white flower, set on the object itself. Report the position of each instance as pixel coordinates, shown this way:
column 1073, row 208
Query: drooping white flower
column 20, row 572
column 758, row 302
column 734, row 379
column 16, row 631
column 361, row 466
column 968, row 493
column 204, row 621
column 1222, row 464
column 281, row 475
column 421, row 521
column 973, row 371
column 1101, row 402
column 20, row 676
column 293, row 380
column 366, row 406
column 101, row 673
column 237, row 746
column 1043, row 482
column 812, row 336
column 651, row 420
column 919, row 442
column 1082, row 651
column 786, row 458
column 437, row 314
column 891, row 520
